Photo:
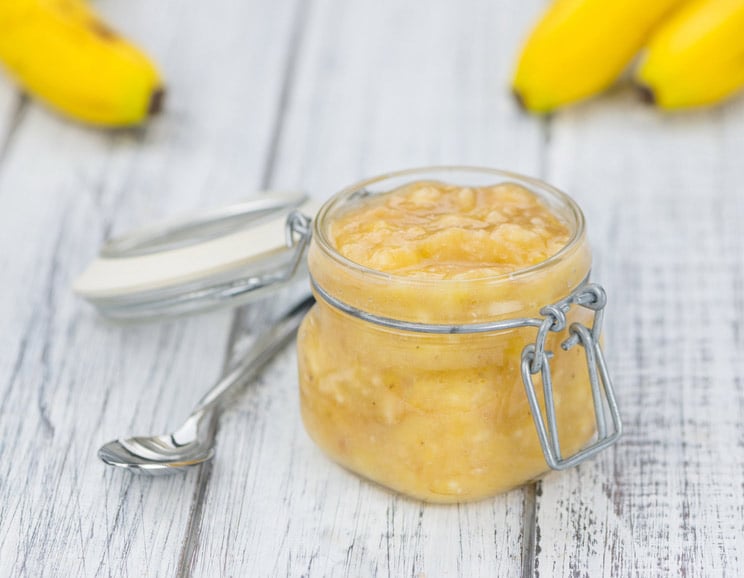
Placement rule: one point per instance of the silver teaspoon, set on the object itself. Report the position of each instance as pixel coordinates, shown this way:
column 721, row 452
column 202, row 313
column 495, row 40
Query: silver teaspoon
column 193, row 442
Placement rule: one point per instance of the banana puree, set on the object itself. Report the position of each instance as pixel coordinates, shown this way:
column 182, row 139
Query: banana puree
column 442, row 418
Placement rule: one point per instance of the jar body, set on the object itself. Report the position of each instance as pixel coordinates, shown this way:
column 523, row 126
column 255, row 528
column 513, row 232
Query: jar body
column 439, row 417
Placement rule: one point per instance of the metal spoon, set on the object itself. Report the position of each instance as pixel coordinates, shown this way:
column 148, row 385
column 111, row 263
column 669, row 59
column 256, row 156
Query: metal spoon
column 193, row 442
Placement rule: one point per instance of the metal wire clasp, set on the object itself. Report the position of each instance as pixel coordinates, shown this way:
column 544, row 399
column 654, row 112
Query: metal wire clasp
column 297, row 233
column 535, row 359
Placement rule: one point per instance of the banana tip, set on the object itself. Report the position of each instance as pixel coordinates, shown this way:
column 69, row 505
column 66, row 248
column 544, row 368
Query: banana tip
column 647, row 94
column 519, row 99
column 157, row 100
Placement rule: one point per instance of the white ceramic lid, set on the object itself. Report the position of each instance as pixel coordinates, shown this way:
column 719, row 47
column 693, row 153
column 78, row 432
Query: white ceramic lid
column 216, row 257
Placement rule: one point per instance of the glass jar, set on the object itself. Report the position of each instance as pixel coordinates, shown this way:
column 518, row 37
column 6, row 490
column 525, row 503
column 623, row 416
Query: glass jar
column 438, row 388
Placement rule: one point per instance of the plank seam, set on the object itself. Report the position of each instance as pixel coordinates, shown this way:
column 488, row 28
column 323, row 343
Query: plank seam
column 532, row 493
column 529, row 530
column 188, row 550
column 191, row 540
column 16, row 119
column 288, row 78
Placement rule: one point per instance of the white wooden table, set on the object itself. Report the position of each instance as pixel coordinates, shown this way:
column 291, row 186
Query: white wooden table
column 315, row 94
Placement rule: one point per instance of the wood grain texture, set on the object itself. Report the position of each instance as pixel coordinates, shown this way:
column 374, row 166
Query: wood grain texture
column 378, row 86
column 390, row 85
column 665, row 202
column 316, row 94
column 68, row 381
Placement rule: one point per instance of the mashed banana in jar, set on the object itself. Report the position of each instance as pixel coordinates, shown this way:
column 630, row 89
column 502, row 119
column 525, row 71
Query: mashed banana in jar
column 440, row 417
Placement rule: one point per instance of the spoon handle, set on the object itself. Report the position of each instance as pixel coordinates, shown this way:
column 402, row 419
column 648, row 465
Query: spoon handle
column 263, row 350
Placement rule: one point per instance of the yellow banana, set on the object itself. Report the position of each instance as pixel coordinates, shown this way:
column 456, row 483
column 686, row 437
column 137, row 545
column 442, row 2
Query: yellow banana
column 697, row 56
column 580, row 47
column 62, row 53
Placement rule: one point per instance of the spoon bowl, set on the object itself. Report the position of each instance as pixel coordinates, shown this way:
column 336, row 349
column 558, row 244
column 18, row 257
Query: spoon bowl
column 126, row 454
column 193, row 443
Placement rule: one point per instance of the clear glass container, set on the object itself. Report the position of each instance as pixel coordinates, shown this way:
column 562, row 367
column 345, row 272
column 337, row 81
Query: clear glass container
column 420, row 384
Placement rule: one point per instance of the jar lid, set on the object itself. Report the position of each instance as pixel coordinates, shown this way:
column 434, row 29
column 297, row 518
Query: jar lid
column 217, row 257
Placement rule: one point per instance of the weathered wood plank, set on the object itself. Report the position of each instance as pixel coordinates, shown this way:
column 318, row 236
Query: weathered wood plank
column 68, row 381
column 379, row 86
column 421, row 85
column 373, row 87
column 664, row 202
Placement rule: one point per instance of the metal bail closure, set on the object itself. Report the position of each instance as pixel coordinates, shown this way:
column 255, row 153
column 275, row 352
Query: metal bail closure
column 536, row 360
column 298, row 230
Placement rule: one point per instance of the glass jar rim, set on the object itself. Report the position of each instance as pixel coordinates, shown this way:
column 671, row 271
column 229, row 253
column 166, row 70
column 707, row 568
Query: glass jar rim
column 537, row 186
